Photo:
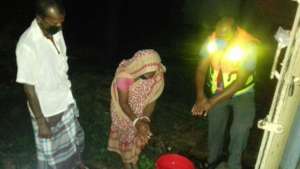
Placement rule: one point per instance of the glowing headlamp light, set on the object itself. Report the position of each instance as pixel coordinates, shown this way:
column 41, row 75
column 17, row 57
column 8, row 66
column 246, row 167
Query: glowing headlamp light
column 212, row 47
column 235, row 53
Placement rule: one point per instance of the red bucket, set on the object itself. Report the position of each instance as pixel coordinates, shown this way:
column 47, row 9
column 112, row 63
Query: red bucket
column 174, row 161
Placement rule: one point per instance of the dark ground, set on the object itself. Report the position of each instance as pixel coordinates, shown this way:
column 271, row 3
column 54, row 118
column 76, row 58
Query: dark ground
column 91, row 72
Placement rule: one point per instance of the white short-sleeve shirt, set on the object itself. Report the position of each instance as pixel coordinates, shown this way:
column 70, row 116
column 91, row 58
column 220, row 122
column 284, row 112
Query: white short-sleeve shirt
column 40, row 64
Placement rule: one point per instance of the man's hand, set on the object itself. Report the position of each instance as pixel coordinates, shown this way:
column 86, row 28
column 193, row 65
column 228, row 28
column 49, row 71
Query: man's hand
column 44, row 129
column 201, row 107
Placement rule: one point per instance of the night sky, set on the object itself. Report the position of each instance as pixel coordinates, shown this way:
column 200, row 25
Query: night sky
column 107, row 31
column 94, row 23
column 116, row 22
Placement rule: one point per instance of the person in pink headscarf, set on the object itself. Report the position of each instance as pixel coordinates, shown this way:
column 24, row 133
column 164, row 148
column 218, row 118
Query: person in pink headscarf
column 137, row 84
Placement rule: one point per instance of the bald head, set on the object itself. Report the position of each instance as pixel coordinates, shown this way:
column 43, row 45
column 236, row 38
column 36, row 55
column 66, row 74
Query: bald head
column 50, row 16
column 49, row 8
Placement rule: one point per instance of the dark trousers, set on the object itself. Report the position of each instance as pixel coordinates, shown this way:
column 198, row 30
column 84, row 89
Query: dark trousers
column 243, row 110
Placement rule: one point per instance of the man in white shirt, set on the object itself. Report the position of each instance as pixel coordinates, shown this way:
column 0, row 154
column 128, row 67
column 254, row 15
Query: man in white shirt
column 42, row 70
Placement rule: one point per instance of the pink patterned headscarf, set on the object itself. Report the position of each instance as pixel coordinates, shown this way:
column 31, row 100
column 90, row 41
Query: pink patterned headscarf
column 143, row 61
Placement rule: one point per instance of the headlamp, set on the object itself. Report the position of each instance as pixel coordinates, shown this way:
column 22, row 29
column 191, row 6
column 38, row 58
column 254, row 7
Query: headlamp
column 235, row 53
column 212, row 47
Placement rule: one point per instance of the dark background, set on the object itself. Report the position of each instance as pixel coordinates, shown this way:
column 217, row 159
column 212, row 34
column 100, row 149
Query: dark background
column 112, row 29
column 109, row 25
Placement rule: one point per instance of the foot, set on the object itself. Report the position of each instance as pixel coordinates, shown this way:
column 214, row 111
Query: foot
column 9, row 164
column 135, row 166
column 222, row 165
column 82, row 166
column 127, row 166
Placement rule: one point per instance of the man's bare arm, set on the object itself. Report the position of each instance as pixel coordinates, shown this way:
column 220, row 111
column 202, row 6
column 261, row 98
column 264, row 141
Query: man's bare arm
column 44, row 130
column 201, row 72
column 228, row 92
column 200, row 79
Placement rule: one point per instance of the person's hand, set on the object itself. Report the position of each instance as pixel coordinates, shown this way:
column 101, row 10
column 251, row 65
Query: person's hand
column 44, row 129
column 143, row 132
column 201, row 107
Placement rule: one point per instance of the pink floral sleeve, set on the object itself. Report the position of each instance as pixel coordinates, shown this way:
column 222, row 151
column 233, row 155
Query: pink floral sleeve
column 123, row 84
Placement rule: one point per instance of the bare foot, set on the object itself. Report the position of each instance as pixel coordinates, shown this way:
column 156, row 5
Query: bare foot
column 127, row 166
column 82, row 166
column 9, row 164
column 135, row 166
